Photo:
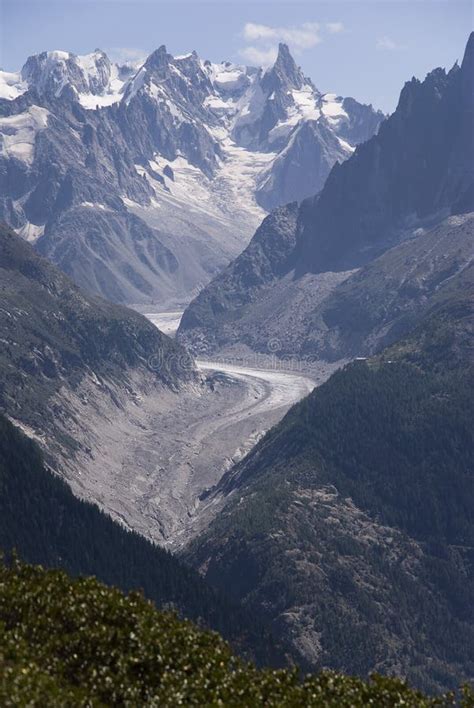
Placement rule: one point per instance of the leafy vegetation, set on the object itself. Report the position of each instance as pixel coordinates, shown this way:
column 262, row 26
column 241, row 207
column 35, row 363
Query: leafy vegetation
column 47, row 524
column 77, row 642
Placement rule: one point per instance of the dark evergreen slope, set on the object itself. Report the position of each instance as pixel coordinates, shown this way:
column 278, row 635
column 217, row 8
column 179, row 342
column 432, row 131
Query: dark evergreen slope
column 350, row 525
column 47, row 524
column 53, row 337
column 75, row 642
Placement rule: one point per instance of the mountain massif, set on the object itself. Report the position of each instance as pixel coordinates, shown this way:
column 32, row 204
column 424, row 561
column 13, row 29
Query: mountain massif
column 141, row 182
column 349, row 525
column 343, row 271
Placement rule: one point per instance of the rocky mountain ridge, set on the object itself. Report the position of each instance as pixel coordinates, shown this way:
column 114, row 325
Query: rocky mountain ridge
column 142, row 181
column 390, row 228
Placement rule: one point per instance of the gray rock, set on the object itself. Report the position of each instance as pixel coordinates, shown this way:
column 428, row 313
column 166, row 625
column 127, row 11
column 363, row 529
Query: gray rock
column 55, row 337
column 80, row 159
column 393, row 197
column 301, row 169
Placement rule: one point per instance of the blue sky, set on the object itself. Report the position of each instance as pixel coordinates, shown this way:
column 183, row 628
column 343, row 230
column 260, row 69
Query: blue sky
column 366, row 49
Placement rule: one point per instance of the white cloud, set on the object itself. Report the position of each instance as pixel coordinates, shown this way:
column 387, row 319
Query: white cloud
column 262, row 40
column 124, row 55
column 259, row 57
column 304, row 36
column 388, row 44
column 334, row 27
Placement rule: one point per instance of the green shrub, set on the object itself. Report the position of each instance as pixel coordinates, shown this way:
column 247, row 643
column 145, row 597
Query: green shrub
column 76, row 642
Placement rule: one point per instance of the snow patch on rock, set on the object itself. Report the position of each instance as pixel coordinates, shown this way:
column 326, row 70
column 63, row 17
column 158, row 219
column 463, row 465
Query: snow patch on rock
column 18, row 133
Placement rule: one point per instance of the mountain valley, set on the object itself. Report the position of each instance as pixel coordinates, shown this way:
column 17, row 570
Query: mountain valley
column 116, row 405
column 236, row 374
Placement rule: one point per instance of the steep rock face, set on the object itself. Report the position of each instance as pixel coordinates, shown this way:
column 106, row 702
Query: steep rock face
column 384, row 208
column 72, row 156
column 49, row 72
column 187, row 146
column 278, row 96
column 380, row 302
column 287, row 99
column 344, row 522
column 110, row 251
column 418, row 164
column 359, row 123
column 338, row 315
column 284, row 73
column 302, row 167
column 163, row 111
column 265, row 259
column 68, row 196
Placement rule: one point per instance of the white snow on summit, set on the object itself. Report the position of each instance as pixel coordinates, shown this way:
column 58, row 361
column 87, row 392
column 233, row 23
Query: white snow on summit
column 305, row 107
column 92, row 66
column 332, row 107
column 11, row 85
column 213, row 193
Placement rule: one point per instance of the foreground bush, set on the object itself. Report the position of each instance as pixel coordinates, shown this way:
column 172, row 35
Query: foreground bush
column 76, row 642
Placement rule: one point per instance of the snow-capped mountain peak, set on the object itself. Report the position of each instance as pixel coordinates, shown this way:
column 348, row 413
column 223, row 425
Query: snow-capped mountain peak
column 284, row 74
column 93, row 78
column 178, row 81
column 49, row 72
column 278, row 101
column 200, row 150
